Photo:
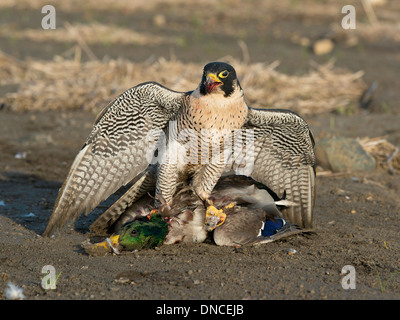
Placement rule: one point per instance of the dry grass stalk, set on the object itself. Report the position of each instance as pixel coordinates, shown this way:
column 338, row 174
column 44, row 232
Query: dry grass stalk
column 389, row 31
column 72, row 84
column 76, row 5
column 386, row 154
column 89, row 33
column 328, row 173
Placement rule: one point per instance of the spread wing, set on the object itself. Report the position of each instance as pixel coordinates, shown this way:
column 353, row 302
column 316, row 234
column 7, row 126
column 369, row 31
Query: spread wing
column 282, row 158
column 118, row 150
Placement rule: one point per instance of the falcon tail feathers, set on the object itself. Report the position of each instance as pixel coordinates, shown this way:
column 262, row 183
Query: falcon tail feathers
column 64, row 199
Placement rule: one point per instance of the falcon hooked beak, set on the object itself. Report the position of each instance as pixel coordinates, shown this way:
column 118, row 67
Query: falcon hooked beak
column 212, row 82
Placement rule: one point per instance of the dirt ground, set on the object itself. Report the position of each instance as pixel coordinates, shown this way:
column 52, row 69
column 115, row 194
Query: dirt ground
column 356, row 214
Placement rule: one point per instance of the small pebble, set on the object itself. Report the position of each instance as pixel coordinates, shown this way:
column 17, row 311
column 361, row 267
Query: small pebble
column 122, row 280
column 323, row 46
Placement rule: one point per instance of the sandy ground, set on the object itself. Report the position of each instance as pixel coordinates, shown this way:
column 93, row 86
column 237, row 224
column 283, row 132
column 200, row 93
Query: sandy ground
column 356, row 214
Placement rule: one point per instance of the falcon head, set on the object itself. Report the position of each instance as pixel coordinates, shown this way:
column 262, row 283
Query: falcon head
column 219, row 77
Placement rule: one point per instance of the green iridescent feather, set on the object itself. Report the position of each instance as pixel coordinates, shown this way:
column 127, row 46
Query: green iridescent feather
column 143, row 233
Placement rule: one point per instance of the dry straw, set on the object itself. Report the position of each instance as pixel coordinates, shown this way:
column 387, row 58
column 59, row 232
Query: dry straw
column 64, row 84
column 90, row 33
column 386, row 154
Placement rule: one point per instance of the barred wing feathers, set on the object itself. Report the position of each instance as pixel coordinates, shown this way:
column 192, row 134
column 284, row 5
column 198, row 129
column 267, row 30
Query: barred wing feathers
column 284, row 160
column 117, row 150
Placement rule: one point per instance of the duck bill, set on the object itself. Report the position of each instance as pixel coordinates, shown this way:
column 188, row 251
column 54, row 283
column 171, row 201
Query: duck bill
column 212, row 82
column 113, row 241
column 110, row 245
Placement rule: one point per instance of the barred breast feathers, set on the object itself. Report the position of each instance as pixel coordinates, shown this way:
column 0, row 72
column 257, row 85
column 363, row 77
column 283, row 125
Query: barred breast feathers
column 216, row 111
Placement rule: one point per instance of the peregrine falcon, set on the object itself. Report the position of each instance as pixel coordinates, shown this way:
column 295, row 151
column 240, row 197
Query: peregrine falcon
column 153, row 138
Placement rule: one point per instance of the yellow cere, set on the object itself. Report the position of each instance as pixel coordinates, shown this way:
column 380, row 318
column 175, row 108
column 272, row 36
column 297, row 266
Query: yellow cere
column 213, row 77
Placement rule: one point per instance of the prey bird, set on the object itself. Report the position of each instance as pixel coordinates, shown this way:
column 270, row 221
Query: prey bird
column 253, row 219
column 137, row 135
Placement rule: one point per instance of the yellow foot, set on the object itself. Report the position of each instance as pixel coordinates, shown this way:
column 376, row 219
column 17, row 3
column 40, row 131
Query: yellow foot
column 216, row 217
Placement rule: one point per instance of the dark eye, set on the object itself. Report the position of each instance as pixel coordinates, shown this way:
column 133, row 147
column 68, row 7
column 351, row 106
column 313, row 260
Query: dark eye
column 223, row 74
column 133, row 232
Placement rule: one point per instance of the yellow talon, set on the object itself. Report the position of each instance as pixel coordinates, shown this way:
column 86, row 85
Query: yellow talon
column 213, row 211
column 216, row 217
column 222, row 218
column 230, row 206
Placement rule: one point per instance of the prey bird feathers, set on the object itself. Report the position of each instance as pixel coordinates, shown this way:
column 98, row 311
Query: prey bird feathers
column 253, row 218
column 133, row 141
